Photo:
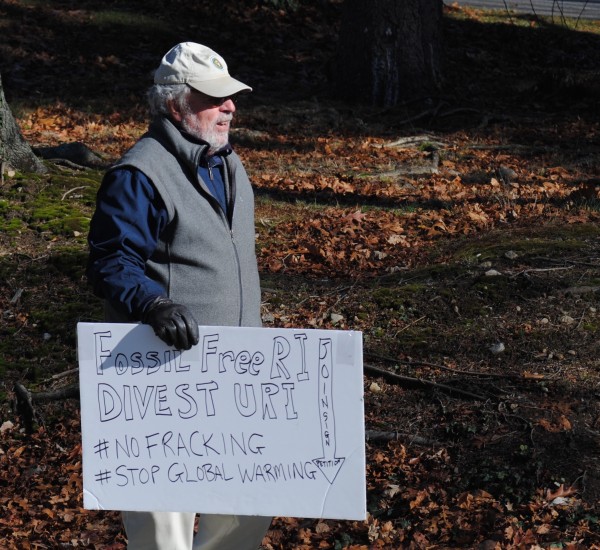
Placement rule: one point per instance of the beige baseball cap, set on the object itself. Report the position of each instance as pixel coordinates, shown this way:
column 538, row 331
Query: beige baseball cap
column 199, row 67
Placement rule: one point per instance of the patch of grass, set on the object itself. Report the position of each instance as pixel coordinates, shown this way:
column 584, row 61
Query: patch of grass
column 69, row 261
column 402, row 210
column 591, row 326
column 398, row 299
column 589, row 204
column 61, row 319
column 526, row 20
column 548, row 241
column 122, row 18
column 13, row 227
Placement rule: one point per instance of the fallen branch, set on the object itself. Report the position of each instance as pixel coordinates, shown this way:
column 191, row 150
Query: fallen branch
column 73, row 190
column 61, row 375
column 75, row 155
column 68, row 163
column 418, row 383
column 26, row 399
column 409, row 325
column 540, row 270
column 68, row 392
column 441, row 367
column 562, row 261
column 382, row 437
column 415, row 141
column 16, row 296
column 25, row 406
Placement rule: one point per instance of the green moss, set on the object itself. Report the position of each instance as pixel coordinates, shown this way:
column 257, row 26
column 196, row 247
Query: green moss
column 548, row 241
column 61, row 205
column 60, row 320
column 69, row 261
column 398, row 299
column 12, row 226
column 129, row 21
column 59, row 219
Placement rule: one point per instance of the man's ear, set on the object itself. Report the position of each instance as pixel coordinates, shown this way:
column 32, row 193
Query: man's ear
column 174, row 111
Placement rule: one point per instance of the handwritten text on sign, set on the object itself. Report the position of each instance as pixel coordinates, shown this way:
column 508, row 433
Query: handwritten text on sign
column 250, row 421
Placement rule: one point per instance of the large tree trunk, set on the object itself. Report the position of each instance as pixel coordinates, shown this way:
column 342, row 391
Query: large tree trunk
column 14, row 150
column 389, row 50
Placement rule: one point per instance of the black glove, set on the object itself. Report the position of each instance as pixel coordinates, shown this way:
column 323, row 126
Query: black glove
column 172, row 323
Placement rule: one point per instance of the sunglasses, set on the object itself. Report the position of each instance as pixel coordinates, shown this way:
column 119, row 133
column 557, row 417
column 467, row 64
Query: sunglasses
column 215, row 101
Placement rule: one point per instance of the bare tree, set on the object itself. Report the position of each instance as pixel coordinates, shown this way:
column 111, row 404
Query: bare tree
column 14, row 150
column 389, row 50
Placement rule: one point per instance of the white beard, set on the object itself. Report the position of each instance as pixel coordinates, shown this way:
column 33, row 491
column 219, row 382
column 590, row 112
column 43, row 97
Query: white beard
column 216, row 139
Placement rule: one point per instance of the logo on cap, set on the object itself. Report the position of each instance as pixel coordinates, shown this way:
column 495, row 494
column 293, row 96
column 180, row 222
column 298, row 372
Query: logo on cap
column 217, row 63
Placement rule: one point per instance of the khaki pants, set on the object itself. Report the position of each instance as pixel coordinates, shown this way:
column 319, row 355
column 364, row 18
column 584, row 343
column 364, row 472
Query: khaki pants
column 175, row 531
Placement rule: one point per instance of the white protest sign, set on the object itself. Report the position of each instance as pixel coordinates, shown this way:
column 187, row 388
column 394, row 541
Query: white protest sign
column 251, row 421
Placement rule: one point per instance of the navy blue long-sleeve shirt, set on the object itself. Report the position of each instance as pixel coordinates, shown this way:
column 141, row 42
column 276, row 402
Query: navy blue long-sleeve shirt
column 129, row 218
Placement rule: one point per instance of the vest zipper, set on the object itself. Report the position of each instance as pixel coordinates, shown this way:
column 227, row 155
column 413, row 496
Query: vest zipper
column 230, row 186
column 239, row 273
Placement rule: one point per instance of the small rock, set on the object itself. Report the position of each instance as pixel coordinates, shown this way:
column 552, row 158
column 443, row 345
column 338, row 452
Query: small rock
column 268, row 318
column 16, row 296
column 492, row 273
column 567, row 320
column 8, row 425
column 375, row 388
column 497, row 348
column 507, row 174
column 336, row 318
column 485, row 265
column 46, row 336
column 511, row 255
column 544, row 321
column 572, row 352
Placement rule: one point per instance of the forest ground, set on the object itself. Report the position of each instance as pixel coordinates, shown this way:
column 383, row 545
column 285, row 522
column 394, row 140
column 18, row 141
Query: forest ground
column 458, row 232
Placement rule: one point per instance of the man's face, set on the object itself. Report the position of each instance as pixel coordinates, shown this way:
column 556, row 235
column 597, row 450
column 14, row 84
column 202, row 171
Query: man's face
column 206, row 118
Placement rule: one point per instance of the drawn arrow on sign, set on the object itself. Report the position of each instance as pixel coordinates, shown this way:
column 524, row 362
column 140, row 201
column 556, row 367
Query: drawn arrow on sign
column 329, row 463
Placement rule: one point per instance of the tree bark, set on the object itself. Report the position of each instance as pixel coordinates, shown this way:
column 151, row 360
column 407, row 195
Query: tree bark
column 388, row 51
column 14, row 150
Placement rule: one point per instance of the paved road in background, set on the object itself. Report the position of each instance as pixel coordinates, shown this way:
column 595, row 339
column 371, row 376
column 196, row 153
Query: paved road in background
column 582, row 9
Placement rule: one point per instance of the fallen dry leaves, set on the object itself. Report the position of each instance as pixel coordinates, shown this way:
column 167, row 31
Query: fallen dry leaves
column 359, row 208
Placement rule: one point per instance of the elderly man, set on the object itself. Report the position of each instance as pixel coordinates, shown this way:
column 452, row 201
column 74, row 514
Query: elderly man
column 172, row 245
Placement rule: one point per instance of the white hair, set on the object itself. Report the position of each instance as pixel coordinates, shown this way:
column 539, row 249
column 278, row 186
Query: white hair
column 159, row 96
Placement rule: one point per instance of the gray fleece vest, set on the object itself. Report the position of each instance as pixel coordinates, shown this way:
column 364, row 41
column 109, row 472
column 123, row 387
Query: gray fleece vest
column 204, row 260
